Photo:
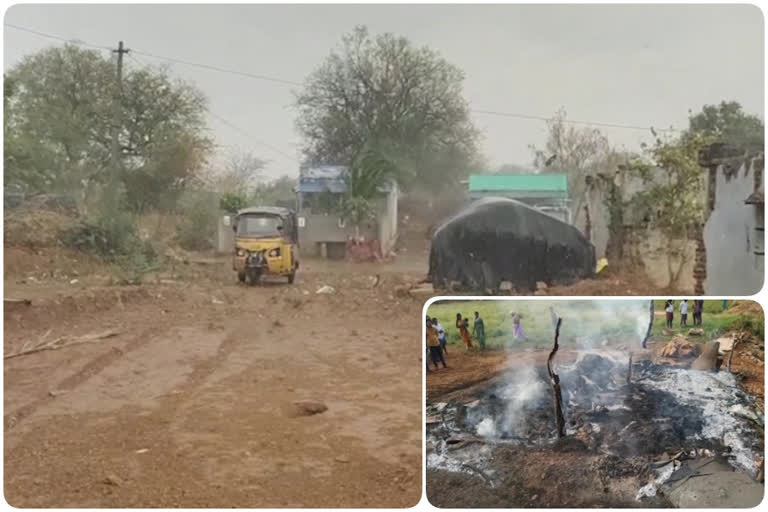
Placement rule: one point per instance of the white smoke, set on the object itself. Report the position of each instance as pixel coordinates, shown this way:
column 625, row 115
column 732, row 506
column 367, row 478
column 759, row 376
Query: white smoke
column 592, row 326
column 524, row 387
column 521, row 387
column 597, row 324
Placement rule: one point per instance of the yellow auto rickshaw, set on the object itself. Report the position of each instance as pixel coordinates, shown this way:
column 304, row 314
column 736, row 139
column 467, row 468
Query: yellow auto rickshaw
column 266, row 244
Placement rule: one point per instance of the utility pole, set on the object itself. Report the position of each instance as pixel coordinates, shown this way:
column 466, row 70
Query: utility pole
column 117, row 117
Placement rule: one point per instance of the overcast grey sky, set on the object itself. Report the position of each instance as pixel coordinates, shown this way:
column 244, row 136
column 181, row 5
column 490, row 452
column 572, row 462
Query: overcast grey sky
column 627, row 64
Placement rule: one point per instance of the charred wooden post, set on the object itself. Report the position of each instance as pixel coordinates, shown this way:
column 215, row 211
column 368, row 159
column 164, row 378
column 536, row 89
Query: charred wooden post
column 555, row 380
column 650, row 326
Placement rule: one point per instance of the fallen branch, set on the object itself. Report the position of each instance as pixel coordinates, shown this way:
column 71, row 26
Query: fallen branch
column 39, row 343
column 629, row 370
column 478, row 471
column 26, row 302
column 64, row 341
column 555, row 380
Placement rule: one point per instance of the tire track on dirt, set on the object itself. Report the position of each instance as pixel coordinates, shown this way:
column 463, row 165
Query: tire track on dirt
column 91, row 368
column 199, row 375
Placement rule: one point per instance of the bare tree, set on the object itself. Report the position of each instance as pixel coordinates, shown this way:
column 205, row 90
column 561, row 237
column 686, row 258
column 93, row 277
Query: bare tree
column 239, row 175
column 577, row 152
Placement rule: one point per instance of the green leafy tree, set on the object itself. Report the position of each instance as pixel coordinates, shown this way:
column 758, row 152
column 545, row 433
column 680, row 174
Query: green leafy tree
column 406, row 100
column 278, row 192
column 673, row 198
column 365, row 179
column 232, row 202
column 58, row 105
column 59, row 121
column 728, row 123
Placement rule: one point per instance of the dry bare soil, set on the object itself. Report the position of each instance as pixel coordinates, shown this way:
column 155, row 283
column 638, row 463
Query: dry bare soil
column 193, row 403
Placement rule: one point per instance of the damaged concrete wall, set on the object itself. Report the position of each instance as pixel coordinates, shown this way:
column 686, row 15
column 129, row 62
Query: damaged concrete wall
column 648, row 249
column 733, row 233
column 598, row 216
column 629, row 186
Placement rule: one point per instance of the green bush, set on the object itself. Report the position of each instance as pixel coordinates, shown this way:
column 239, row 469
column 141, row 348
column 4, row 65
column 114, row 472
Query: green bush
column 114, row 238
column 197, row 225
column 749, row 323
column 232, row 203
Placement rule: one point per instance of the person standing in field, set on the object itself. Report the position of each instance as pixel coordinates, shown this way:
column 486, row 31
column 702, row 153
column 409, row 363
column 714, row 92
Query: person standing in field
column 670, row 309
column 440, row 335
column 462, row 324
column 698, row 309
column 433, row 344
column 684, row 313
column 478, row 330
column 518, row 326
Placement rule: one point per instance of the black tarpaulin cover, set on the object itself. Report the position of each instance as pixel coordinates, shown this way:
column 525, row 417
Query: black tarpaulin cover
column 497, row 239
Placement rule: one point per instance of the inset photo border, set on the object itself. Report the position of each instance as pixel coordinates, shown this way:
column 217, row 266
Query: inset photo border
column 616, row 403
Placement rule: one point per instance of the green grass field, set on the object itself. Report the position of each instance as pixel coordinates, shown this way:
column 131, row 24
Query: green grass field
column 715, row 321
column 586, row 323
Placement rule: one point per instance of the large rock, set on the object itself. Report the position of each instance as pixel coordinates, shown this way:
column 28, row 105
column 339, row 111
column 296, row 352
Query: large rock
column 708, row 358
column 309, row 407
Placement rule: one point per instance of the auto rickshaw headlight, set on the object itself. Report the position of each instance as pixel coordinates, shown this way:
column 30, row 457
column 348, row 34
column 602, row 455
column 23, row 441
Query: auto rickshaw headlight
column 240, row 252
column 274, row 253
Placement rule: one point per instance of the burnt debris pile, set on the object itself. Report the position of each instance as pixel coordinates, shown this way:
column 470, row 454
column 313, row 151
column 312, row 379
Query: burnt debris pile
column 663, row 410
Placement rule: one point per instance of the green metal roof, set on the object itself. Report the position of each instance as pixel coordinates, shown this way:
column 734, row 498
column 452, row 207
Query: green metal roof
column 524, row 183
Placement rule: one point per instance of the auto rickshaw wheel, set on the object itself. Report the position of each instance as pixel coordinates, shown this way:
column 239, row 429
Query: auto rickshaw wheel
column 252, row 278
column 291, row 277
column 241, row 277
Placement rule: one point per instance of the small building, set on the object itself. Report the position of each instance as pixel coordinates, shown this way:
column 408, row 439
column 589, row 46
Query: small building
column 545, row 192
column 323, row 231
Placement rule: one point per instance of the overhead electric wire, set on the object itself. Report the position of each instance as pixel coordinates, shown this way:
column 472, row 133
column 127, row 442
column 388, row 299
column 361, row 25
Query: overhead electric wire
column 572, row 121
column 58, row 38
column 252, row 138
column 218, row 69
column 159, row 57
column 292, row 82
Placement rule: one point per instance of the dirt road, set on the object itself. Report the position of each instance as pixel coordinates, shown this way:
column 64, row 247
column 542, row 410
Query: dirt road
column 192, row 404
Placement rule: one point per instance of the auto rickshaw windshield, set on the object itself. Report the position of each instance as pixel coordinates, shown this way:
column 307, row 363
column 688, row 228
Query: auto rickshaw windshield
column 259, row 226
